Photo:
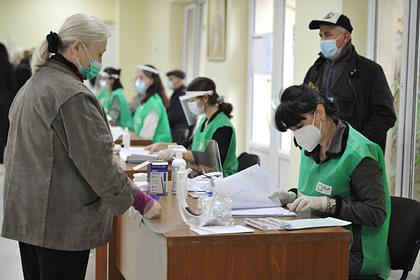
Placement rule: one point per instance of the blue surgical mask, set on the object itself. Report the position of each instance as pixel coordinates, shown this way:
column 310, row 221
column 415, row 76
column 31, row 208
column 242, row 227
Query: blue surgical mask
column 194, row 108
column 329, row 48
column 140, row 86
column 170, row 84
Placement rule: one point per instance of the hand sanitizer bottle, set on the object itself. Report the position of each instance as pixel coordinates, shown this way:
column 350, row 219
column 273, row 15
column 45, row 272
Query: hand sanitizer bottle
column 177, row 164
column 126, row 138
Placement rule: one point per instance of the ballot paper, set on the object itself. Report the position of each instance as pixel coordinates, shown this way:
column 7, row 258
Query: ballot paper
column 116, row 132
column 221, row 230
column 315, row 223
column 198, row 185
column 248, row 188
column 137, row 155
column 263, row 212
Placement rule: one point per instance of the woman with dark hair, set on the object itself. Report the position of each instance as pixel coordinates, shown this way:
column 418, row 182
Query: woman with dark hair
column 150, row 120
column 342, row 174
column 7, row 93
column 203, row 98
column 116, row 105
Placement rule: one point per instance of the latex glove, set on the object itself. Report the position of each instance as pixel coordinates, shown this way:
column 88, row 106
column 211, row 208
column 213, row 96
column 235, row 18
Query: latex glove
column 303, row 203
column 145, row 204
column 156, row 147
column 283, row 196
column 166, row 154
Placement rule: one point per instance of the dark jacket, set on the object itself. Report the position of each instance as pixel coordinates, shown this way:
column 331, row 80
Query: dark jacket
column 7, row 93
column 22, row 73
column 179, row 125
column 361, row 93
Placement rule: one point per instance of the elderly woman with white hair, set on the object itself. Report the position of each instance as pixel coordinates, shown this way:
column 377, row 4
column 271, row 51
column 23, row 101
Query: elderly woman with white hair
column 62, row 187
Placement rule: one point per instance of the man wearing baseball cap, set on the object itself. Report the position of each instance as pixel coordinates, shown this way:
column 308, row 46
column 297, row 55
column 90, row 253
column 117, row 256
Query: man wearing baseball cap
column 354, row 83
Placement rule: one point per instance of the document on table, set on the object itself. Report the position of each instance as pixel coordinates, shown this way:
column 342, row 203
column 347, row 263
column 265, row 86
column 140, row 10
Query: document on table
column 315, row 223
column 198, row 185
column 248, row 188
column 262, row 212
column 136, row 155
column 221, row 230
column 116, row 132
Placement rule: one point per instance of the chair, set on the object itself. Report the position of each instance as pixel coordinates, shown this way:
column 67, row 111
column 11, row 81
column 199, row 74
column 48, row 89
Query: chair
column 246, row 160
column 403, row 236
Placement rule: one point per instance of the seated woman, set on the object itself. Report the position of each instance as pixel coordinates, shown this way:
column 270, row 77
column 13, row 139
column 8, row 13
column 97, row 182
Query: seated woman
column 215, row 125
column 342, row 174
column 116, row 105
column 150, row 120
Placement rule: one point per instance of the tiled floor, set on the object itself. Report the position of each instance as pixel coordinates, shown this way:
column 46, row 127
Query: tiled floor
column 10, row 268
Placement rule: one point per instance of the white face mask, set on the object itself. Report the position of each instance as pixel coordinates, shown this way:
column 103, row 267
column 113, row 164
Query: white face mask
column 308, row 136
column 193, row 106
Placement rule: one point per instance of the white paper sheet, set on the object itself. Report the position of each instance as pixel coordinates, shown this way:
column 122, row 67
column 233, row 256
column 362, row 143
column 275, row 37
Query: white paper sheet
column 221, row 230
column 315, row 223
column 248, row 189
column 136, row 154
column 261, row 212
column 116, row 132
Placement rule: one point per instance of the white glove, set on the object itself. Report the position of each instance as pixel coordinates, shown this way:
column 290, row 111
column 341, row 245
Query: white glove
column 156, row 147
column 153, row 212
column 166, row 154
column 283, row 197
column 303, row 203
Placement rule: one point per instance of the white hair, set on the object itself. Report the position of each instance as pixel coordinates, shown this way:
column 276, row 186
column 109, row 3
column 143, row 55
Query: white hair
column 76, row 27
column 342, row 30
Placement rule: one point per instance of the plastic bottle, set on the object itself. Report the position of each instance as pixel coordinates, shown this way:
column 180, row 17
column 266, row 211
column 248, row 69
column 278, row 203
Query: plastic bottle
column 177, row 164
column 126, row 138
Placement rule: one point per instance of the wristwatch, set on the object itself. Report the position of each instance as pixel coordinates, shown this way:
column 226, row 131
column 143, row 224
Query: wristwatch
column 330, row 204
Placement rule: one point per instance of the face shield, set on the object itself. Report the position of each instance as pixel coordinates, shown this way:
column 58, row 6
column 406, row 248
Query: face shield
column 189, row 97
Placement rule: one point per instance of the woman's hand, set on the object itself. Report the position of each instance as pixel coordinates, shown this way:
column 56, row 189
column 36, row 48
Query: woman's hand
column 283, row 196
column 157, row 147
column 303, row 203
column 154, row 211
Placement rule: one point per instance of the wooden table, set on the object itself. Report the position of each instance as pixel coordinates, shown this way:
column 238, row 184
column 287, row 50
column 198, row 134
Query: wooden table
column 166, row 249
column 135, row 140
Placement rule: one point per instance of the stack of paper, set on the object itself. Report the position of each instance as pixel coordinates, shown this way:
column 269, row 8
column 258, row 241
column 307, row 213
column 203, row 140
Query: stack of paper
column 222, row 230
column 136, row 155
column 315, row 223
column 262, row 212
column 248, row 189
column 116, row 132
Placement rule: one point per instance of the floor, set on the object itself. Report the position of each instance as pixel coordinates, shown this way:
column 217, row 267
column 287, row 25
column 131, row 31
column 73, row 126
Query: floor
column 10, row 267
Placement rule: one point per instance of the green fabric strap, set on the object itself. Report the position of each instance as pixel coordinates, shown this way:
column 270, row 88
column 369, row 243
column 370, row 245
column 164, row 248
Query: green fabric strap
column 125, row 115
column 163, row 130
column 201, row 138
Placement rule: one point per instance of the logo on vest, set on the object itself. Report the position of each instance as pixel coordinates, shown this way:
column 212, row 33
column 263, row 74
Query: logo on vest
column 324, row 189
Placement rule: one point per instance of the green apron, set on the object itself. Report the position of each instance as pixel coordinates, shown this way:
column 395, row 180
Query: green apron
column 200, row 140
column 332, row 178
column 103, row 97
column 163, row 130
column 125, row 115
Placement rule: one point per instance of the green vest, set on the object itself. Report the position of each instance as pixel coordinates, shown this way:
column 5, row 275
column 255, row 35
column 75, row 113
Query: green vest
column 163, row 130
column 125, row 115
column 201, row 139
column 332, row 178
column 103, row 97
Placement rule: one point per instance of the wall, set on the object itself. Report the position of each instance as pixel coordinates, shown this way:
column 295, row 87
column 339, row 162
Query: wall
column 230, row 75
column 149, row 32
column 25, row 23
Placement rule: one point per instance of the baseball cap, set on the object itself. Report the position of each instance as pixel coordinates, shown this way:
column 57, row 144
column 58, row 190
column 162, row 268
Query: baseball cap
column 332, row 18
